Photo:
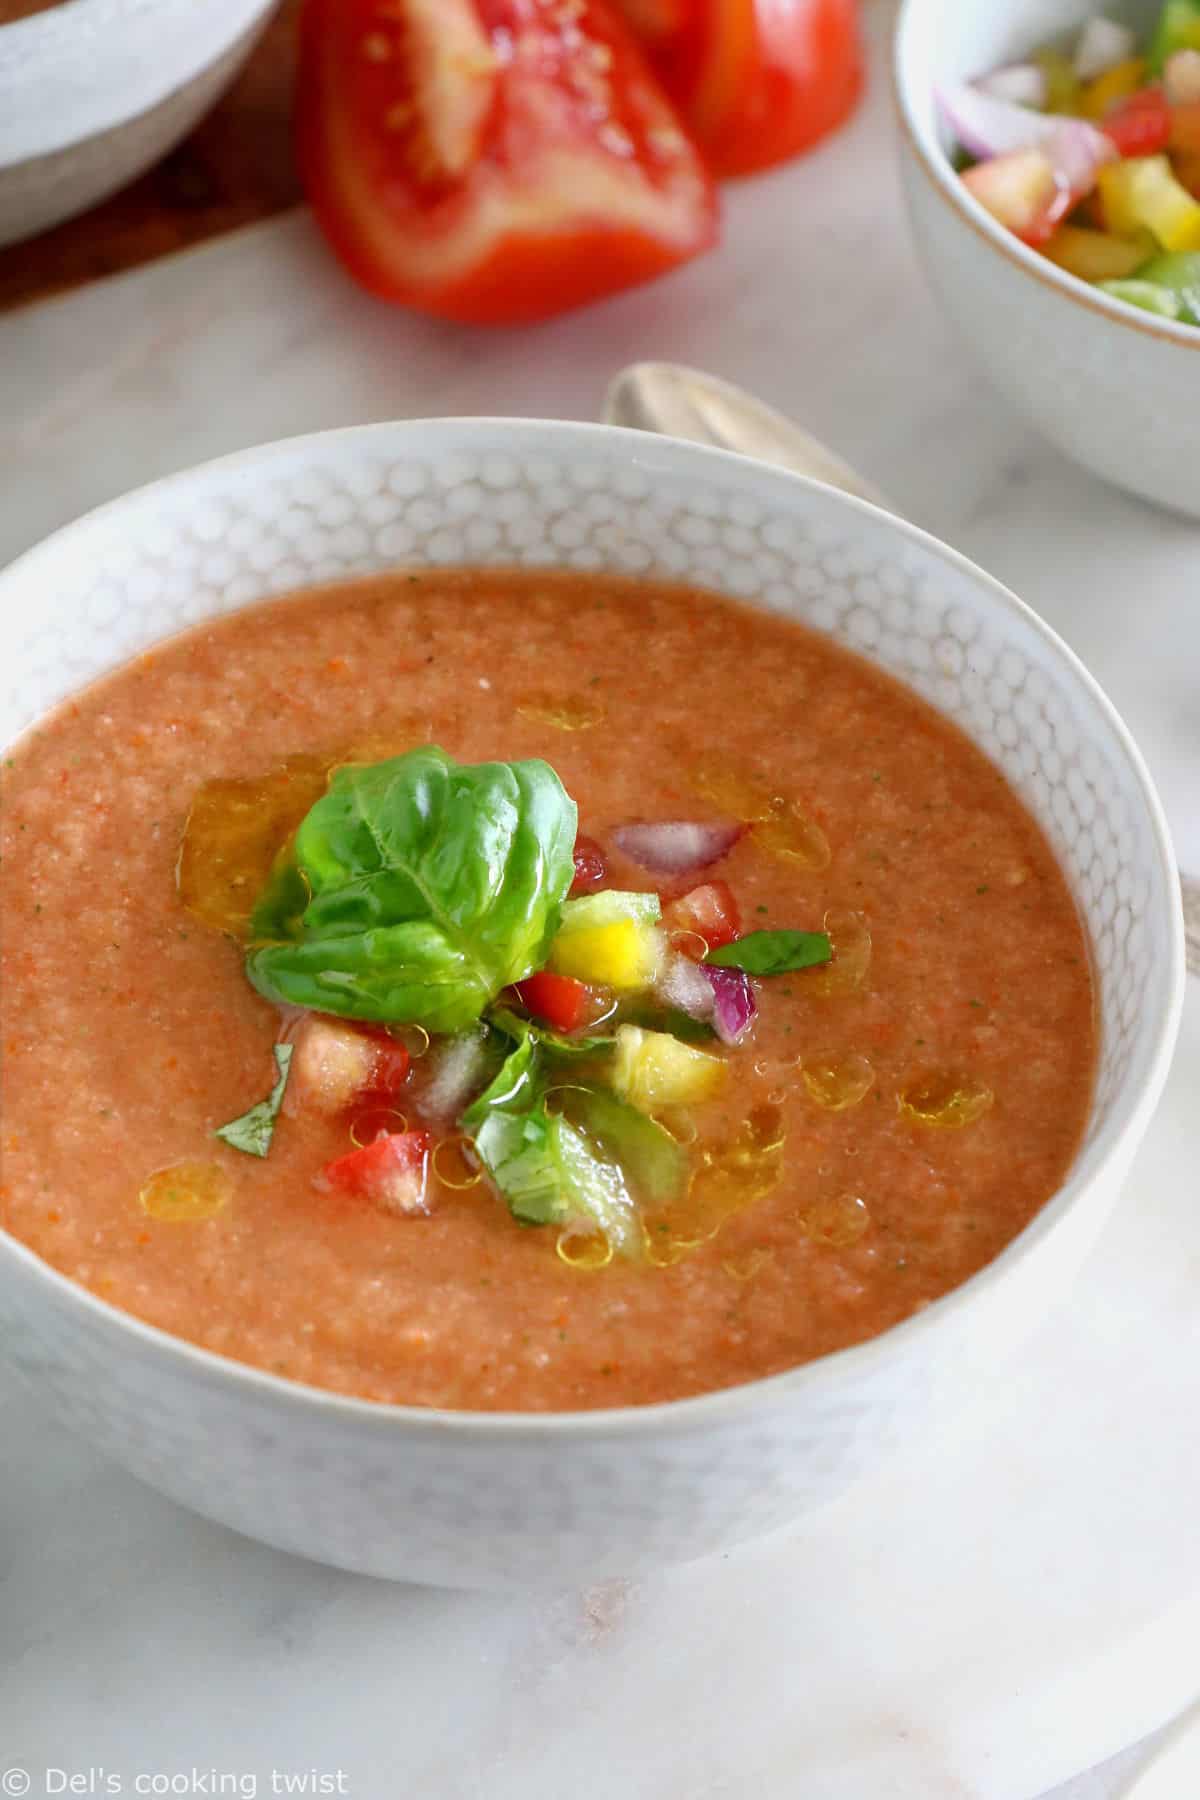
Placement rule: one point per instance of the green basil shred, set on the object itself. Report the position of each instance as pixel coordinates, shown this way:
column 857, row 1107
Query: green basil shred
column 252, row 1133
column 773, row 952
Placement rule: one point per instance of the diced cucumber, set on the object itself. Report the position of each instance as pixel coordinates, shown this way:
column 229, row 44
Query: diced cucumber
column 1179, row 275
column 1145, row 295
column 607, row 907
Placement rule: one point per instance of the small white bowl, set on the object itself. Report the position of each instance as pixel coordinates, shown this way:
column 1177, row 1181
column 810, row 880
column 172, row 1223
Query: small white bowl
column 93, row 92
column 493, row 1500
column 1115, row 388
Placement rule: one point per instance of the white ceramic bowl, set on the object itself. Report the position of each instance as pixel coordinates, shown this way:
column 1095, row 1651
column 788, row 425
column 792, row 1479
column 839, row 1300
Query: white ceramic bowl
column 495, row 1500
column 1117, row 389
column 93, row 92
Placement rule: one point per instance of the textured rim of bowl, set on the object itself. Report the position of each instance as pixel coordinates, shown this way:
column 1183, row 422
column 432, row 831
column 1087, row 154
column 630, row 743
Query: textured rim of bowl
column 935, row 165
column 746, row 1398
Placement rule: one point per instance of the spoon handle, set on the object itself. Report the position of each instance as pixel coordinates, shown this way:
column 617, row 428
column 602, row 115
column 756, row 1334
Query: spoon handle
column 686, row 403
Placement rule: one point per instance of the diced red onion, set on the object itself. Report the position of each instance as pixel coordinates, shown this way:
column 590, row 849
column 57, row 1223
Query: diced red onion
column 1181, row 78
column 734, row 1005
column 683, row 983
column 1078, row 152
column 1102, row 44
column 1022, row 84
column 676, row 846
column 986, row 127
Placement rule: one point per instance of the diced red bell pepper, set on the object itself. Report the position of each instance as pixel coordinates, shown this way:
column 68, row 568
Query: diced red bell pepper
column 1141, row 125
column 710, row 912
column 393, row 1172
column 558, row 999
column 590, row 866
column 335, row 1065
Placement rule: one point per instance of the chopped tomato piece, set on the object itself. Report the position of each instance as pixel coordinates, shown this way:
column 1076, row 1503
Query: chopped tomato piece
column 393, row 1172
column 590, row 866
column 756, row 80
column 558, row 999
column 709, row 911
column 335, row 1065
column 1141, row 125
column 491, row 160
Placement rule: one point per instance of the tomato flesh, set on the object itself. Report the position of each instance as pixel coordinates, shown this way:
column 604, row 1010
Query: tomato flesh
column 756, row 81
column 709, row 912
column 558, row 999
column 336, row 1065
column 392, row 1173
column 493, row 161
column 591, row 869
column 1141, row 125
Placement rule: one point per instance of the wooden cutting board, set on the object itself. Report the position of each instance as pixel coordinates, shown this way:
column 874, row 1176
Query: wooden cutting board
column 235, row 168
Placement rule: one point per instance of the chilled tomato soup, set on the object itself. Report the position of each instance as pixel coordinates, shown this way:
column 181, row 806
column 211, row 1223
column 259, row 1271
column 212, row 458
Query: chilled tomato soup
column 495, row 990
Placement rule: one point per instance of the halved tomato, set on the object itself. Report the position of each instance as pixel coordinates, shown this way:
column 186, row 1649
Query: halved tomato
column 756, row 81
column 493, row 160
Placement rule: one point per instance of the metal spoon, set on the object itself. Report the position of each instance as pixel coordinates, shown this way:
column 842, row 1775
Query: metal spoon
column 686, row 403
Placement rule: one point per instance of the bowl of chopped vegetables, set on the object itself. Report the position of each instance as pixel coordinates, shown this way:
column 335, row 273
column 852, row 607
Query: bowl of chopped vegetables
column 1052, row 164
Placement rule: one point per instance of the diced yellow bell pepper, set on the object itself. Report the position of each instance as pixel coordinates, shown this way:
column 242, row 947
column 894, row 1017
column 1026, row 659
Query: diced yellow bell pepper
column 1142, row 194
column 625, row 954
column 653, row 1070
column 1097, row 255
column 1101, row 94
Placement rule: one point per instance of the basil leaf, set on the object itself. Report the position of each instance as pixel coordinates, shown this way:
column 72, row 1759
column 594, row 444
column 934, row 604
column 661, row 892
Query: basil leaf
column 670, row 1019
column 516, row 1087
column 255, row 1129
column 516, row 1027
column 773, row 952
column 415, row 889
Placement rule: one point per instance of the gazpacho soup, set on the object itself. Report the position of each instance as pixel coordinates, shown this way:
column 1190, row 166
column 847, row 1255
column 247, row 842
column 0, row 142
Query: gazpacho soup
column 529, row 991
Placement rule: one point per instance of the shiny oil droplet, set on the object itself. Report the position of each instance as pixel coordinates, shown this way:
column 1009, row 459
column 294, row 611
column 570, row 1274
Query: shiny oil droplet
column 681, row 1125
column 788, row 834
column 454, row 1164
column 374, row 1122
column 749, row 1264
column 948, row 1100
column 737, row 789
column 234, row 832
column 846, row 973
column 581, row 1247
column 836, row 1221
column 186, row 1192
column 837, row 1082
column 726, row 1180
column 565, row 712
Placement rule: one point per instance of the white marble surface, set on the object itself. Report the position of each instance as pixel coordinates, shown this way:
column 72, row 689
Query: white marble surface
column 997, row 1614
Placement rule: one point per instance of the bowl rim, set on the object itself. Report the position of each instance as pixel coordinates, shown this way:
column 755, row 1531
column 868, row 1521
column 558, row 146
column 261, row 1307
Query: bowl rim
column 745, row 1400
column 935, row 166
column 148, row 54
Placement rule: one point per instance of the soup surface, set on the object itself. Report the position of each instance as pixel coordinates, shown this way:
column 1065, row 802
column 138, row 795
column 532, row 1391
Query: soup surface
column 908, row 1117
